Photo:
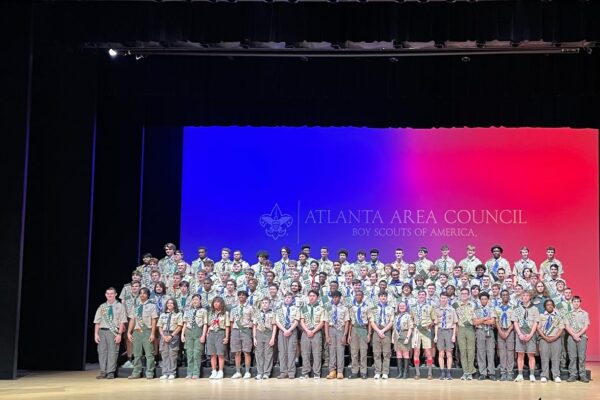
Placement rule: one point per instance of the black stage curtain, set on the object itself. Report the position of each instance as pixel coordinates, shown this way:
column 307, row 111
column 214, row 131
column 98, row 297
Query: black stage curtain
column 555, row 21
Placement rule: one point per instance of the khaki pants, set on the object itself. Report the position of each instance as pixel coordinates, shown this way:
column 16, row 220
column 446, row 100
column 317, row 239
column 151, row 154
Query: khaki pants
column 506, row 353
column 550, row 352
column 143, row 346
column 336, row 350
column 168, row 352
column 287, row 353
column 194, row 350
column 358, row 350
column 382, row 348
column 466, row 345
column 312, row 346
column 486, row 348
column 108, row 352
column 577, row 356
column 263, row 353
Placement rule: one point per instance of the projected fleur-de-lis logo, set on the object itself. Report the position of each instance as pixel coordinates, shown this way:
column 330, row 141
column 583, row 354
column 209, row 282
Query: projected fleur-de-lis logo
column 276, row 223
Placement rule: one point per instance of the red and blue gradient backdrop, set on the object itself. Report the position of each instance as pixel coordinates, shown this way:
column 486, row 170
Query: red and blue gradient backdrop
column 233, row 175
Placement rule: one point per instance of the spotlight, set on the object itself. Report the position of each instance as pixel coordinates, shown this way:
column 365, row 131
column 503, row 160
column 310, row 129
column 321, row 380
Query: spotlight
column 112, row 52
column 465, row 59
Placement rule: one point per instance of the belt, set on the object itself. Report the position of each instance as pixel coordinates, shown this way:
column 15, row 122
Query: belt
column 104, row 329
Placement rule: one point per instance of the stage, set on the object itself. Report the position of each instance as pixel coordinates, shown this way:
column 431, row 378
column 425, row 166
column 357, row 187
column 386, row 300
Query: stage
column 83, row 385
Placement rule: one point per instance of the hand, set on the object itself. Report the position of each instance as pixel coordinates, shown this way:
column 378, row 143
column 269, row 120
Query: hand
column 328, row 340
column 182, row 338
column 271, row 342
column 255, row 342
column 287, row 333
column 453, row 339
column 151, row 340
column 129, row 337
column 310, row 333
column 97, row 338
column 225, row 340
column 343, row 341
column 381, row 334
column 435, row 339
column 202, row 339
column 118, row 339
column 368, row 338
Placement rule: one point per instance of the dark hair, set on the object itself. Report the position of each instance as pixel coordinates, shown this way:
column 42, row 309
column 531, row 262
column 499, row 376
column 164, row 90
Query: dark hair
column 484, row 294
column 220, row 301
column 313, row 291
column 343, row 251
column 175, row 306
column 145, row 290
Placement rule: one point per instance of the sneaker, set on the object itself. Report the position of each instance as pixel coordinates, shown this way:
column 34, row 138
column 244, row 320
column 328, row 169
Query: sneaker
column 303, row 377
column 482, row 377
column 531, row 378
column 572, row 379
column 237, row 375
column 213, row 374
column 219, row 374
column 469, row 377
column 163, row 377
column 265, row 377
column 101, row 375
column 377, row 376
column 188, row 377
column 448, row 376
column 557, row 379
column 258, row 377
column 194, row 377
column 247, row 375
column 502, row 377
column 282, row 376
column 317, row 376
column 384, row 376
column 332, row 374
column 133, row 377
column 463, row 377
column 110, row 376
column 171, row 377
column 492, row 377
column 442, row 375
column 543, row 379
column 128, row 364
column 340, row 375
column 519, row 378
column 584, row 378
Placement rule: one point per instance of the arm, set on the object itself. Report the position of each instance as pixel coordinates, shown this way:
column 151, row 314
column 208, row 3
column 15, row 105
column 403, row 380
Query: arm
column 204, row 332
column 435, row 333
column 97, row 333
column 273, row 336
column 153, row 329
column 254, row 335
column 454, row 326
column 346, row 337
column 226, row 338
column 183, row 332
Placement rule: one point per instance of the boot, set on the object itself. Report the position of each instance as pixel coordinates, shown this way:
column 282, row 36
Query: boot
column 400, row 363
column 405, row 365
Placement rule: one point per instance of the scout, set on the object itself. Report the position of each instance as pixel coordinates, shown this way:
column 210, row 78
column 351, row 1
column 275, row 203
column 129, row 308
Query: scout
column 445, row 263
column 130, row 302
column 496, row 262
column 193, row 335
column 485, row 321
column 550, row 329
column 401, row 338
column 312, row 320
column 525, row 318
column 445, row 334
column 339, row 325
column 218, row 337
column 466, row 336
column 382, row 320
column 169, row 326
column 506, row 337
column 140, row 332
column 423, row 315
column 578, row 322
column 264, row 332
column 287, row 318
column 109, row 323
column 360, row 335
column 241, row 316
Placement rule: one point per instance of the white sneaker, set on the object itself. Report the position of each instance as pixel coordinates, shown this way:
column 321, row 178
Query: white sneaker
column 376, row 376
column 384, row 376
column 213, row 374
column 519, row 378
column 163, row 377
column 531, row 378
column 171, row 377
column 302, row 377
column 237, row 375
column 128, row 364
column 265, row 377
column 258, row 377
column 247, row 375
column 219, row 374
column 557, row 379
column 543, row 379
column 317, row 377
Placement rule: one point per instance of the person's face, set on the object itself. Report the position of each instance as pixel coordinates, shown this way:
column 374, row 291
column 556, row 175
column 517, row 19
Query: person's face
column 207, row 285
column 450, row 291
column 201, row 276
column 430, row 290
column 202, row 253
column 464, row 295
column 395, row 275
column 470, row 253
column 433, row 273
column 294, row 287
column 237, row 256
column 170, row 305
column 456, row 272
column 360, row 257
column 526, row 273
column 261, row 259
column 496, row 253
column 288, row 300
column 373, row 279
column 568, row 294
column 576, row 303
column 295, row 275
column 181, row 267
column 302, row 258
column 560, row 286
column 495, row 290
column 143, row 295
column 272, row 291
column 443, row 301
column 252, row 285
column 135, row 288
column 267, row 267
column 355, row 286
column 324, row 254
column 242, row 298
column 550, row 254
column 486, row 280
column 549, row 307
column 306, row 251
column 554, row 272
column 387, row 269
column 136, row 278
column 314, row 267
column 443, row 279
column 312, row 298
column 505, row 296
column 421, row 296
column 421, row 254
column 225, row 255
column 524, row 254
column 374, row 256
column 236, row 268
column 382, row 286
column 169, row 252
column 399, row 254
column 484, row 300
column 176, row 280
column 322, row 279
column 480, row 271
column 196, row 302
column 402, row 307
column 184, row 289
column 337, row 267
column 224, row 276
column 445, row 252
column 412, row 268
column 284, row 254
column 110, row 295
column 525, row 297
column 177, row 256
column 406, row 290
column 464, row 279
column 501, row 274
column 270, row 278
column 359, row 297
column 146, row 260
column 539, row 287
column 265, row 305
column 336, row 300
column 518, row 290
column 152, row 264
column 508, row 282
column 230, row 287
column 382, row 298
column 363, row 272
column 342, row 257
column 158, row 289
column 474, row 292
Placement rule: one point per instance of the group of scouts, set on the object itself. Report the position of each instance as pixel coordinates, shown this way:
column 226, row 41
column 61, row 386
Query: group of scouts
column 315, row 308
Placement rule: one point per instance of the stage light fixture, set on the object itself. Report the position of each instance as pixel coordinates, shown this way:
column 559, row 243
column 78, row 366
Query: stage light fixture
column 112, row 52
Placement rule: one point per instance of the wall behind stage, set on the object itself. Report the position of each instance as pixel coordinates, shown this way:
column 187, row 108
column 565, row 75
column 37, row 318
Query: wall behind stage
column 262, row 188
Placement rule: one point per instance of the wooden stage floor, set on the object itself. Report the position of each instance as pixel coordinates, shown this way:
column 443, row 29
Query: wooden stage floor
column 82, row 385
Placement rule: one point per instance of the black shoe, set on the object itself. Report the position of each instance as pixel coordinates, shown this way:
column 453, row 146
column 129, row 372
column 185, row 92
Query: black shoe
column 584, row 379
column 482, row 377
column 352, row 376
column 572, row 379
column 492, row 377
column 110, row 376
column 101, row 376
column 364, row 376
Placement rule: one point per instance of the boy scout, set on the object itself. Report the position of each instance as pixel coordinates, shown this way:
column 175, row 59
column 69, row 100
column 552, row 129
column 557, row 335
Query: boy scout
column 287, row 318
column 506, row 337
column 169, row 326
column 130, row 302
column 485, row 321
column 312, row 320
column 496, row 262
column 109, row 323
column 339, row 324
column 578, row 322
column 423, row 316
column 218, row 337
column 382, row 320
column 241, row 316
column 401, row 338
column 525, row 318
column 360, row 335
column 445, row 334
column 264, row 332
column 466, row 336
column 140, row 332
column 550, row 329
column 193, row 335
